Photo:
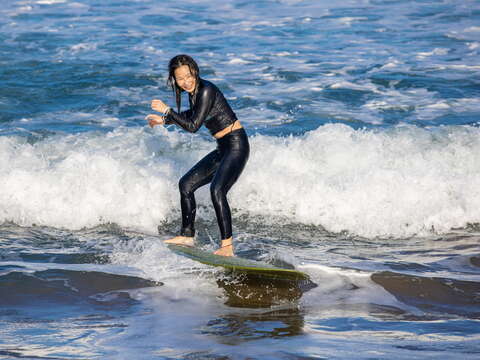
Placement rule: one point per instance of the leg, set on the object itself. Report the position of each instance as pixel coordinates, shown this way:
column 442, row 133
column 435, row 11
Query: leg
column 201, row 174
column 227, row 174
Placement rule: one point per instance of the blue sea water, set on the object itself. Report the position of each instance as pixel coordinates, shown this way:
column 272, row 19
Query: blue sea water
column 363, row 118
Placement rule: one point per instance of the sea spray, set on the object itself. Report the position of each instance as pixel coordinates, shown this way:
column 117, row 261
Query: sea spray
column 398, row 182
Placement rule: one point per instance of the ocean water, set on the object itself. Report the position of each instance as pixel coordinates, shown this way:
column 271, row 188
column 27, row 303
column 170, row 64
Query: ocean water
column 363, row 117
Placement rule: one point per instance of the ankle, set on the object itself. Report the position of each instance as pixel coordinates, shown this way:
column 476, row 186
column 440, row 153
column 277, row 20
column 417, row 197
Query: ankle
column 227, row 242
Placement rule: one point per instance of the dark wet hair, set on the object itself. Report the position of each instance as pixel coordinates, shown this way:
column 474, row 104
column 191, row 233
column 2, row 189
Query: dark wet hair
column 174, row 64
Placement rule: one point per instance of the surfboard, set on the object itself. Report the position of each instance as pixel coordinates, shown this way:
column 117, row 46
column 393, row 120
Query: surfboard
column 237, row 264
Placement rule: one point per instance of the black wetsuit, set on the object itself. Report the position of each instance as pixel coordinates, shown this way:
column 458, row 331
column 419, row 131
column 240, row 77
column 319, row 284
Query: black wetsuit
column 221, row 167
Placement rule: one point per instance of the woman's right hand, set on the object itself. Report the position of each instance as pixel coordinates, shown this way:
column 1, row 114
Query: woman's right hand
column 154, row 119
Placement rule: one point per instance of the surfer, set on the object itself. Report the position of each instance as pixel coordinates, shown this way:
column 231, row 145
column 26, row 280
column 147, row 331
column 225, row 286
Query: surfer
column 221, row 167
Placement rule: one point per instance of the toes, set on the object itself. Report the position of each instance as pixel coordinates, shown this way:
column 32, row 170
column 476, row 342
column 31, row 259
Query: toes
column 179, row 241
column 221, row 253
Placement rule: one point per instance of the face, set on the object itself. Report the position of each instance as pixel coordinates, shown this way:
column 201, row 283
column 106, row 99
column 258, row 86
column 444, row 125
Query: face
column 184, row 78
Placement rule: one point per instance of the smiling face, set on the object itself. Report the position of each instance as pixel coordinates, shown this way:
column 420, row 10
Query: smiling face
column 184, row 78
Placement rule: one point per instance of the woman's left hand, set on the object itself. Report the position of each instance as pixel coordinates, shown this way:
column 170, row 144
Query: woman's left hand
column 154, row 119
column 160, row 106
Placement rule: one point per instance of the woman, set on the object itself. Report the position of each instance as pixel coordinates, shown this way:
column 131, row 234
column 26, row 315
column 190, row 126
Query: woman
column 222, row 167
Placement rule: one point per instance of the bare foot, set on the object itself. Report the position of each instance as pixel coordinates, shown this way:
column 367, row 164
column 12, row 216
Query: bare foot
column 180, row 240
column 226, row 250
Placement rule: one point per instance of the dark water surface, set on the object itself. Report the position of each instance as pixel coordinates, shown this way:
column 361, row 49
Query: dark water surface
column 109, row 293
column 364, row 170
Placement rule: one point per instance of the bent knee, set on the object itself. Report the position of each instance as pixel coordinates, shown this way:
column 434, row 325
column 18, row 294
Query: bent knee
column 185, row 186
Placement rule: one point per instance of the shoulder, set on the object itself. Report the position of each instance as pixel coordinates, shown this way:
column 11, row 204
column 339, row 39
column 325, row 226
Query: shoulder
column 206, row 85
column 206, row 89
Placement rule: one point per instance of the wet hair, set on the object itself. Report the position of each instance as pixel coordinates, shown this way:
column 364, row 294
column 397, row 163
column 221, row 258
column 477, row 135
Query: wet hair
column 174, row 64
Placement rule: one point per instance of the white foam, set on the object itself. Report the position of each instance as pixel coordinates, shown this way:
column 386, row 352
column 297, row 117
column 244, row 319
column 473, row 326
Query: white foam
column 462, row 67
column 79, row 181
column 391, row 65
column 238, row 61
column 400, row 183
column 348, row 20
column 466, row 104
column 285, row 53
column 439, row 105
column 31, row 267
column 436, row 51
column 83, row 47
column 51, row 2
column 78, row 5
column 251, row 56
column 144, row 255
column 422, row 104
column 473, row 45
column 349, row 85
column 24, row 9
column 472, row 29
column 335, row 287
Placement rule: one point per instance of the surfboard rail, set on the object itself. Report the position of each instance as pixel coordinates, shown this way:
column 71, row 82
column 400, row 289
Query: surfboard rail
column 237, row 264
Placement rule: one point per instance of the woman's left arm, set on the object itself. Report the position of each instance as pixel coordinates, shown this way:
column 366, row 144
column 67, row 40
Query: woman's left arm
column 192, row 120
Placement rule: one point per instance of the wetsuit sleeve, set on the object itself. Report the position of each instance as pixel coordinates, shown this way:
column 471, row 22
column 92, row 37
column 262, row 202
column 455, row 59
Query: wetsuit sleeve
column 191, row 120
column 183, row 114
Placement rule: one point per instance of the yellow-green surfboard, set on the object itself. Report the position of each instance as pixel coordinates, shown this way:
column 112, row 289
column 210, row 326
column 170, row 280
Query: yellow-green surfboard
column 237, row 264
